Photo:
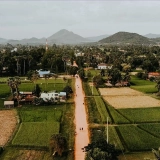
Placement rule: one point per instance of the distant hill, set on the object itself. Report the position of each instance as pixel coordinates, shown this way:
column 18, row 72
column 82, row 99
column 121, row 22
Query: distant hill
column 126, row 37
column 97, row 38
column 2, row 40
column 66, row 37
column 150, row 35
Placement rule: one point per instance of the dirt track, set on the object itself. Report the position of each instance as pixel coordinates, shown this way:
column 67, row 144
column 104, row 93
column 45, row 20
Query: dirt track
column 82, row 135
column 8, row 121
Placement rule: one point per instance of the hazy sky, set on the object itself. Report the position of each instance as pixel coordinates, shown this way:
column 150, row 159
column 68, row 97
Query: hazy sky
column 26, row 19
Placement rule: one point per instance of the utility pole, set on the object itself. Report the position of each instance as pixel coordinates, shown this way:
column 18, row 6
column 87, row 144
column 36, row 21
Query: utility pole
column 107, row 129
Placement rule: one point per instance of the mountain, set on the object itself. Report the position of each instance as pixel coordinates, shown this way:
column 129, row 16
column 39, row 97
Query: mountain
column 150, row 35
column 126, row 37
column 2, row 40
column 66, row 37
column 97, row 38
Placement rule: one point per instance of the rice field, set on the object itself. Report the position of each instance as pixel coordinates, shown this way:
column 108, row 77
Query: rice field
column 128, row 98
column 35, row 133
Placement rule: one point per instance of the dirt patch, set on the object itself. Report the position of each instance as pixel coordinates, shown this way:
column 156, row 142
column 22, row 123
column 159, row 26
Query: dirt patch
column 132, row 101
column 119, row 91
column 8, row 121
column 128, row 98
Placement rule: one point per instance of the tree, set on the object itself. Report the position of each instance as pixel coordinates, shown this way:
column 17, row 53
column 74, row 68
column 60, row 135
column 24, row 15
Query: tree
column 57, row 144
column 37, row 90
column 98, row 80
column 115, row 75
column 158, row 87
column 13, row 83
column 101, row 150
column 68, row 90
column 81, row 73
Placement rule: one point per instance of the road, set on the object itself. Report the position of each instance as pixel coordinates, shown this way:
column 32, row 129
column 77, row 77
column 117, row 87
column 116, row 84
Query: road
column 82, row 134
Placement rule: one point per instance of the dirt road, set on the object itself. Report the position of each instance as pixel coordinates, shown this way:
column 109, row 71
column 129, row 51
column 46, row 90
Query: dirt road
column 82, row 135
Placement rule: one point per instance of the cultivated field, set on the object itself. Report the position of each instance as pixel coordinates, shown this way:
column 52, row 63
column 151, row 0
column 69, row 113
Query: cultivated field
column 128, row 98
column 8, row 121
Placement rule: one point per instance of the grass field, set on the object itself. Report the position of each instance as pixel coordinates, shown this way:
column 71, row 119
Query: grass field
column 145, row 86
column 40, row 115
column 140, row 115
column 35, row 133
column 102, row 110
column 137, row 139
column 151, row 128
column 116, row 116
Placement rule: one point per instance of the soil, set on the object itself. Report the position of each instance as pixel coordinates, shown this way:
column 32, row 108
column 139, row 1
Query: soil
column 8, row 121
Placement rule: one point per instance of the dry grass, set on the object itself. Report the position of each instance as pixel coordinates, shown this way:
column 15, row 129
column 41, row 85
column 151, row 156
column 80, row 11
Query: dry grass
column 128, row 98
column 124, row 91
column 8, row 123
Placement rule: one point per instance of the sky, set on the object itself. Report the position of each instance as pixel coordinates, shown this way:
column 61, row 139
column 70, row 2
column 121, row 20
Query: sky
column 26, row 19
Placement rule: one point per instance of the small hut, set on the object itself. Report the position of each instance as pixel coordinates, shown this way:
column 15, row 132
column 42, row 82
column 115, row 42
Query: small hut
column 9, row 104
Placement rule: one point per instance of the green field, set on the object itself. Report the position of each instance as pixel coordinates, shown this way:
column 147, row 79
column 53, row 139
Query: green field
column 102, row 110
column 116, row 116
column 35, row 133
column 152, row 128
column 145, row 86
column 40, row 115
column 137, row 139
column 93, row 114
column 139, row 115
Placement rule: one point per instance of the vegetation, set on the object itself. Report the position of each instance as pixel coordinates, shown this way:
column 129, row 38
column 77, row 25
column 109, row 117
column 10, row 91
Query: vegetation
column 93, row 114
column 145, row 86
column 102, row 109
column 35, row 134
column 137, row 139
column 139, row 115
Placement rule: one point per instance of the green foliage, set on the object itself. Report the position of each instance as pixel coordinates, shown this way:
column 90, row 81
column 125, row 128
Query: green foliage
column 58, row 144
column 137, row 139
column 94, row 91
column 93, row 114
column 139, row 115
column 35, row 133
column 101, row 150
column 102, row 109
column 87, row 89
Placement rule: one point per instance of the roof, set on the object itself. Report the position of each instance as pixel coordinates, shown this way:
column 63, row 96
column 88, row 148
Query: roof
column 154, row 73
column 102, row 64
column 62, row 93
column 8, row 102
column 25, row 92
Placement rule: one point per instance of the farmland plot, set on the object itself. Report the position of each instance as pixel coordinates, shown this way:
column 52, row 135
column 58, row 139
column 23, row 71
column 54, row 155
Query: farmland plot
column 35, row 133
column 8, row 121
column 128, row 98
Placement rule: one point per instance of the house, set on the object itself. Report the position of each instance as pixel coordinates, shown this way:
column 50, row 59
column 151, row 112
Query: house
column 26, row 97
column 42, row 73
column 102, row 66
column 62, row 96
column 8, row 104
column 50, row 96
column 154, row 74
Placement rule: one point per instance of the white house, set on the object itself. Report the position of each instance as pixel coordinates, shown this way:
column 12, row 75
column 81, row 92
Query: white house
column 102, row 66
column 50, row 96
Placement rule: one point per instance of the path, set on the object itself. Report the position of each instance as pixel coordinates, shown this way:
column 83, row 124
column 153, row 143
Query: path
column 82, row 136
